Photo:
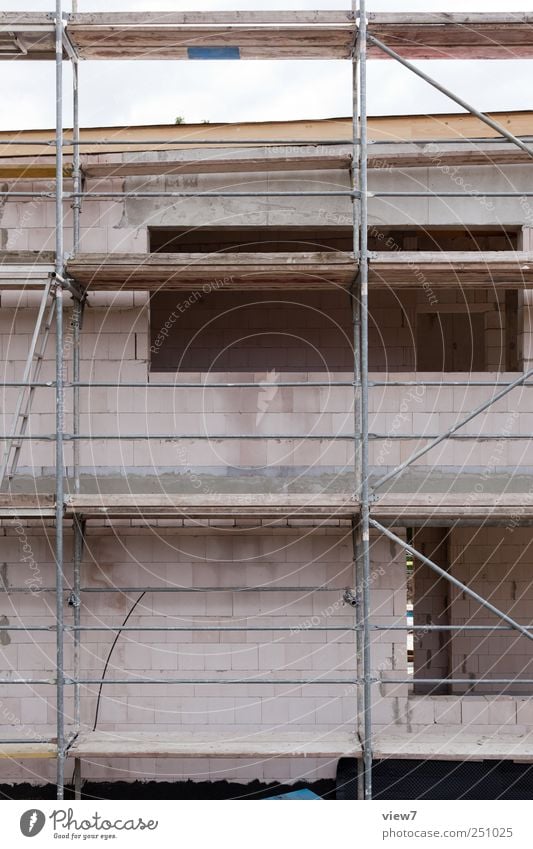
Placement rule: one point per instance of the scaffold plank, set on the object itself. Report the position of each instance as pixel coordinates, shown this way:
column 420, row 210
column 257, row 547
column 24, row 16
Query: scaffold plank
column 412, row 509
column 218, row 164
column 454, row 744
column 269, row 35
column 26, row 36
column 219, row 506
column 402, row 269
column 237, row 744
column 207, row 35
column 472, row 269
column 229, row 271
column 26, row 751
column 29, row 506
column 25, row 270
column 445, row 35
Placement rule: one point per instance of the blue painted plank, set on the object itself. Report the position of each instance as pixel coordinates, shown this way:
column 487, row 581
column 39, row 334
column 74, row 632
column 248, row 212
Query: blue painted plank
column 214, row 52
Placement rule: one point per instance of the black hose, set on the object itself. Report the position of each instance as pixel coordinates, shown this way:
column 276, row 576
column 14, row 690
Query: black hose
column 109, row 657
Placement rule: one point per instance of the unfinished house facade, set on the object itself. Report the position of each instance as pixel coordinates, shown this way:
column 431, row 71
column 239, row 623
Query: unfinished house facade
column 265, row 394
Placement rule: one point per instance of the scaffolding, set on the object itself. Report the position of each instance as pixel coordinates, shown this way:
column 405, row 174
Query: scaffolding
column 356, row 36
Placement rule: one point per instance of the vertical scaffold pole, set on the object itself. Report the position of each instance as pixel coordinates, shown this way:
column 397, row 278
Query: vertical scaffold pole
column 79, row 536
column 363, row 294
column 78, row 304
column 356, row 329
column 60, row 695
column 77, row 312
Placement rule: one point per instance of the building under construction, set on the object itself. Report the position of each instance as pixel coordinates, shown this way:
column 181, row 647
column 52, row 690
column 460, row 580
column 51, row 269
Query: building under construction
column 266, row 423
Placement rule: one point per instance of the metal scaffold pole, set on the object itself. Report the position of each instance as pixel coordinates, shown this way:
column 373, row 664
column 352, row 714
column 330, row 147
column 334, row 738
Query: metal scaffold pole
column 356, row 330
column 59, row 267
column 77, row 312
column 363, row 296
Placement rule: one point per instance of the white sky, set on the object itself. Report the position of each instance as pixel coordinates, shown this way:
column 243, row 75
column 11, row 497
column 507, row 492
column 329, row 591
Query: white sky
column 130, row 93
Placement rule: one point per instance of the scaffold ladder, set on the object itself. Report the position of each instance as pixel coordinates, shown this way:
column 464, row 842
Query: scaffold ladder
column 32, row 371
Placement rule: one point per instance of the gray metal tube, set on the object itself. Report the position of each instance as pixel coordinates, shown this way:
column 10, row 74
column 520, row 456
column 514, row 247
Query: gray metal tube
column 59, row 249
column 79, row 527
column 441, row 384
column 125, row 436
column 469, row 682
column 343, row 437
column 216, row 628
column 76, row 162
column 297, row 627
column 459, row 100
column 255, row 589
column 345, row 193
column 452, row 580
column 259, row 681
column 477, row 436
column 76, row 330
column 437, row 440
column 50, row 384
column 356, row 330
column 77, row 304
column 211, row 194
column 458, row 194
column 193, row 142
column 250, row 384
column 77, row 311
column 21, row 740
column 421, row 628
column 365, row 508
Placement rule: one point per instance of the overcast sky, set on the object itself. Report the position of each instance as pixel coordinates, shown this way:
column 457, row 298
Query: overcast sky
column 130, row 93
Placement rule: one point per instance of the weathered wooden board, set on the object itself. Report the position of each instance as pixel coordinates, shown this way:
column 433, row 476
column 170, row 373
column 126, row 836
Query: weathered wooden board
column 237, row 744
column 25, row 269
column 431, row 508
column 27, row 751
column 257, row 35
column 26, row 36
column 450, row 508
column 23, row 505
column 453, row 36
column 228, row 271
column 216, row 164
column 275, row 35
column 215, row 506
column 504, row 269
column 454, row 744
column 437, row 157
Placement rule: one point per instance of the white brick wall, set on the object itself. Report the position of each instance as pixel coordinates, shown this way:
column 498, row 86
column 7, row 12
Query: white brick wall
column 165, row 557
